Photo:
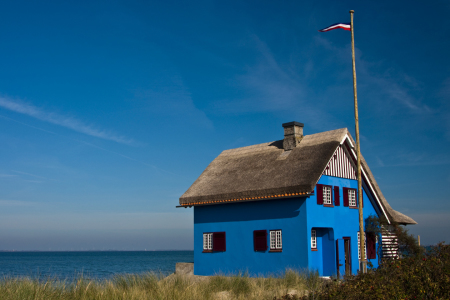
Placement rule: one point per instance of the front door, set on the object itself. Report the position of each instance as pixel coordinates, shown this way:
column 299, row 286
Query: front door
column 343, row 257
column 348, row 256
column 340, row 257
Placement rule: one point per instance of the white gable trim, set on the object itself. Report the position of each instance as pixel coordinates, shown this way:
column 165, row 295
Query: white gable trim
column 363, row 173
column 346, row 138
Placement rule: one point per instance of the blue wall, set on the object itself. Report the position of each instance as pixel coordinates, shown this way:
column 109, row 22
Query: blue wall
column 239, row 220
column 343, row 220
column 295, row 217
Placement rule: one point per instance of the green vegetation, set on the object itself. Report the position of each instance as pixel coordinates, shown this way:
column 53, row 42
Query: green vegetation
column 154, row 286
column 407, row 243
column 424, row 276
column 418, row 274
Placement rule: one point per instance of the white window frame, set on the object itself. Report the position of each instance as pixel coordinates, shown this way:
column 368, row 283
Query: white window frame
column 327, row 195
column 351, row 197
column 208, row 241
column 359, row 245
column 313, row 239
column 276, row 240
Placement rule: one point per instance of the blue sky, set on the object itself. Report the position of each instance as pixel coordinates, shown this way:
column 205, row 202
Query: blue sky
column 110, row 110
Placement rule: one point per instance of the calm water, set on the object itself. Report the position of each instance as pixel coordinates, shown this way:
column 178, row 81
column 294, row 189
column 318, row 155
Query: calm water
column 94, row 265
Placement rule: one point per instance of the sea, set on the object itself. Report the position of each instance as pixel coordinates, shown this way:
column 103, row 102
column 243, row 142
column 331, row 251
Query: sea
column 94, row 265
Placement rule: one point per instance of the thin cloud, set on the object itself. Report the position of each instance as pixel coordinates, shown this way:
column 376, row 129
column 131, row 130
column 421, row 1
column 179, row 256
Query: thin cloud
column 29, row 174
column 173, row 100
column 402, row 96
column 406, row 159
column 78, row 141
column 7, row 175
column 64, row 121
column 395, row 88
column 127, row 157
column 274, row 86
column 15, row 203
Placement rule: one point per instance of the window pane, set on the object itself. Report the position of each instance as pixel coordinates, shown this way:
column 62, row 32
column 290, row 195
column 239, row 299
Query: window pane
column 327, row 195
column 352, row 197
column 313, row 239
column 207, row 241
column 359, row 246
column 275, row 239
column 210, row 246
column 279, row 244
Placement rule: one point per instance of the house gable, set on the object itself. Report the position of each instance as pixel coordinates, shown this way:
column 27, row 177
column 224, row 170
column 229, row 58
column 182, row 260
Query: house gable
column 340, row 165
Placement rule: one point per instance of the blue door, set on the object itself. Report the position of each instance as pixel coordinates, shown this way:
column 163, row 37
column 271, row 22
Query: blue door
column 340, row 257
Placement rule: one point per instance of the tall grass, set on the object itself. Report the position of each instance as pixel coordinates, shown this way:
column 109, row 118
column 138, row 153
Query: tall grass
column 155, row 286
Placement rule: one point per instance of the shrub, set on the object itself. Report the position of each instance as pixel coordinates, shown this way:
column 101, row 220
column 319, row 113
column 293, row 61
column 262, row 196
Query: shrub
column 424, row 276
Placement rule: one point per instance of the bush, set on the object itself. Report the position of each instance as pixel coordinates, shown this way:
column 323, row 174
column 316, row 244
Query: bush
column 425, row 276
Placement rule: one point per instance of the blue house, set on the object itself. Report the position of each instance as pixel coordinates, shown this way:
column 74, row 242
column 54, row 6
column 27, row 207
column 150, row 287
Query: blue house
column 291, row 203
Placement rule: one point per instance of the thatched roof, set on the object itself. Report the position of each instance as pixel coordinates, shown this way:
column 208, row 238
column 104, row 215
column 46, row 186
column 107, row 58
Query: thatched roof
column 267, row 171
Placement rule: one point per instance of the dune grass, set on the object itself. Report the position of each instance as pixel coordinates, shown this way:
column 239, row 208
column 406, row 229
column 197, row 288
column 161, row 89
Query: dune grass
column 155, row 286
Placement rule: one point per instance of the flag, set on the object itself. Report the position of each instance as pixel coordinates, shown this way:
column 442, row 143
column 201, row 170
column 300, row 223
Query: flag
column 345, row 26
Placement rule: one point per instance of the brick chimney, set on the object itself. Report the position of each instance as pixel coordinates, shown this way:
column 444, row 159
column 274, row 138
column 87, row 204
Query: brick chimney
column 293, row 134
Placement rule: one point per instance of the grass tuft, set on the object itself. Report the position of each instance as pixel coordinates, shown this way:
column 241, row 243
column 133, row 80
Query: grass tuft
column 156, row 286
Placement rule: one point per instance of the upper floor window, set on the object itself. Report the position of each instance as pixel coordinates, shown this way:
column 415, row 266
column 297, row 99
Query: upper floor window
column 276, row 240
column 327, row 195
column 313, row 239
column 352, row 197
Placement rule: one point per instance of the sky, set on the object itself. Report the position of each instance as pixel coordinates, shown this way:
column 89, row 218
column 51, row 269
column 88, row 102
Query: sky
column 110, row 110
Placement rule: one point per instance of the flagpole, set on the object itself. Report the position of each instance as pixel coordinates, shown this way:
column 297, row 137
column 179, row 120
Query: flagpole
column 363, row 262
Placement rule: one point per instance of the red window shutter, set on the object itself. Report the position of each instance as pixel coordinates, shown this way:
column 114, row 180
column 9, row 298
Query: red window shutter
column 260, row 240
column 336, row 196
column 371, row 246
column 219, row 243
column 345, row 190
column 319, row 194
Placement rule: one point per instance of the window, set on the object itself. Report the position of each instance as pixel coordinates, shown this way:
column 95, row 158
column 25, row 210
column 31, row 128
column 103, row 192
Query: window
column 327, row 195
column 352, row 197
column 313, row 239
column 260, row 240
column 214, row 241
column 359, row 246
column 207, row 241
column 275, row 240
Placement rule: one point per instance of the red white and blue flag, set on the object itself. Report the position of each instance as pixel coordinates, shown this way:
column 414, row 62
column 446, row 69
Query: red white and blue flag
column 345, row 26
